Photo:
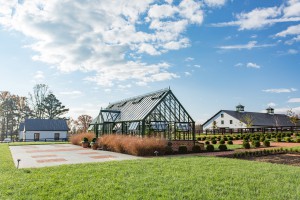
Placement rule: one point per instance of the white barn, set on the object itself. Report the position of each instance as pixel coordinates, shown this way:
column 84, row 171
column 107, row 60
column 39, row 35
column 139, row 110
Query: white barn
column 43, row 130
column 239, row 119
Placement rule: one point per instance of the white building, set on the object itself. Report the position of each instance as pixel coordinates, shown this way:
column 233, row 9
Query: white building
column 239, row 119
column 43, row 130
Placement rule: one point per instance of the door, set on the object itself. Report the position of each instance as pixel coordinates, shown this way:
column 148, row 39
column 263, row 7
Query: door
column 56, row 136
column 36, row 136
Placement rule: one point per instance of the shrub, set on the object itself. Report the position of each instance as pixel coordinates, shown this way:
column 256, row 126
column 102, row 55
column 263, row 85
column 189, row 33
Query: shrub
column 207, row 142
column 94, row 139
column 213, row 141
column 196, row 149
column 256, row 143
column 182, row 149
column 266, row 143
column 76, row 139
column 288, row 139
column 225, row 138
column 168, row 150
column 222, row 142
column 231, row 138
column 246, row 145
column 298, row 140
column 229, row 142
column 210, row 148
column 199, row 138
column 222, row 147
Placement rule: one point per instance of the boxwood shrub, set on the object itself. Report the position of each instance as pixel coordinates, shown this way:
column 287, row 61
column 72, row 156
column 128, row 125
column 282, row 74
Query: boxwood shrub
column 256, row 143
column 196, row 149
column 182, row 149
column 213, row 141
column 266, row 143
column 210, row 148
column 207, row 142
column 229, row 142
column 246, row 145
column 222, row 142
column 222, row 147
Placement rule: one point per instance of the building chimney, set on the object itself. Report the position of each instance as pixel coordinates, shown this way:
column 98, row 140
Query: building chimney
column 240, row 108
column 270, row 110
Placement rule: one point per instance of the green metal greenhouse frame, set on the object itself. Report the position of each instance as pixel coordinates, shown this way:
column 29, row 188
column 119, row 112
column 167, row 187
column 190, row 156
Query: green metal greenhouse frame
column 157, row 114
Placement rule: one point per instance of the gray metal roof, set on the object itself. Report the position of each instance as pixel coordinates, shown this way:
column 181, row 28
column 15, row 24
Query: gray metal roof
column 137, row 108
column 45, row 125
column 259, row 119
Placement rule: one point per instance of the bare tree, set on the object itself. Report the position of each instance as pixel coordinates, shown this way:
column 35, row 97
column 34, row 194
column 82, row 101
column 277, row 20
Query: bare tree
column 294, row 118
column 248, row 120
column 40, row 92
column 83, row 122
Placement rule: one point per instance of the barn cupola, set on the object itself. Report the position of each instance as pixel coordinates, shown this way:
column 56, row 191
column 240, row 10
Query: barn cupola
column 240, row 108
column 270, row 110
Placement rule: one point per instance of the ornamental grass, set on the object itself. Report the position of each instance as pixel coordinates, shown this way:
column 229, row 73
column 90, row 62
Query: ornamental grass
column 78, row 138
column 133, row 145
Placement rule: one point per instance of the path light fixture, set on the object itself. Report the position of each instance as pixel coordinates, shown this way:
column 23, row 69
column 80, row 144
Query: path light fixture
column 18, row 163
column 156, row 153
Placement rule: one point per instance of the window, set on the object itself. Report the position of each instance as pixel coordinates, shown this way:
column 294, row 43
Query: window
column 133, row 126
column 158, row 126
column 222, row 122
column 230, row 122
column 182, row 126
column 222, row 115
column 56, row 136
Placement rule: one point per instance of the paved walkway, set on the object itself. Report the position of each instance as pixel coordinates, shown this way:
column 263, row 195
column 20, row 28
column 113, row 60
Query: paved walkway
column 34, row 156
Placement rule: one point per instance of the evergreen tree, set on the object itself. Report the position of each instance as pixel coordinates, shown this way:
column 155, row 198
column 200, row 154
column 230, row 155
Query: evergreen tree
column 52, row 107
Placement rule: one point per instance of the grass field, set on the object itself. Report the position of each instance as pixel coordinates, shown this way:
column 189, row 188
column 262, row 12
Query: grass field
column 155, row 178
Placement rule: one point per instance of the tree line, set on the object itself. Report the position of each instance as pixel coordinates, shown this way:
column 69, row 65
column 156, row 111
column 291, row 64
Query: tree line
column 40, row 104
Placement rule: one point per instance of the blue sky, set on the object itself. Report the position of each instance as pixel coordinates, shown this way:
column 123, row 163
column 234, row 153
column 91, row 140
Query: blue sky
column 214, row 54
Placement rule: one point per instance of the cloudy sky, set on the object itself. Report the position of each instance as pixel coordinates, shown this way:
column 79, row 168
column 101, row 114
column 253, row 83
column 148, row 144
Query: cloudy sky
column 214, row 54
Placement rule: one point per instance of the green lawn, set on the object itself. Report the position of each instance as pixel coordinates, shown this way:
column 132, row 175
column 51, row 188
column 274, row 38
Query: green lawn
column 156, row 178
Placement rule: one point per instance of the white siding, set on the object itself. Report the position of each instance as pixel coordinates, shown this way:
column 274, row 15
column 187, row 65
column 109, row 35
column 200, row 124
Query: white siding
column 29, row 135
column 226, row 118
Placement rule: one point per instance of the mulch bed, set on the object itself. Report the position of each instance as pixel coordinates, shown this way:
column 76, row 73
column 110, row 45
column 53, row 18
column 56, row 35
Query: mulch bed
column 286, row 159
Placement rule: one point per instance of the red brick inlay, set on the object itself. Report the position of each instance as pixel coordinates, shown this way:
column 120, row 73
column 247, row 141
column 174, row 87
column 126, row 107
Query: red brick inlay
column 101, row 157
column 54, row 150
column 88, row 153
column 51, row 160
column 43, row 156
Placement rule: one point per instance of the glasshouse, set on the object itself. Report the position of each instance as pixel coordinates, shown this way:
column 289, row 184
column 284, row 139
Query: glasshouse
column 157, row 114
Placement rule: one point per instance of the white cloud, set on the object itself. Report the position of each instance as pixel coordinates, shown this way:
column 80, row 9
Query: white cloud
column 292, row 30
column 294, row 100
column 280, row 90
column 285, row 109
column 215, row 3
column 271, row 104
column 292, row 51
column 239, row 65
column 187, row 73
column 102, row 36
column 39, row 76
column 198, row 66
column 262, row 17
column 189, row 59
column 250, row 45
column 252, row 65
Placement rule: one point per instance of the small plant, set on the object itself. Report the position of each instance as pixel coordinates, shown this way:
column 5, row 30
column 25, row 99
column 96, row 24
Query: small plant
column 196, row 149
column 213, row 141
column 298, row 140
column 229, row 142
column 267, row 143
column 222, row 142
column 168, row 150
column 94, row 139
column 182, row 149
column 246, row 145
column 256, row 143
column 207, row 142
column 210, row 148
column 288, row 139
column 222, row 147
column 85, row 139
column 278, row 139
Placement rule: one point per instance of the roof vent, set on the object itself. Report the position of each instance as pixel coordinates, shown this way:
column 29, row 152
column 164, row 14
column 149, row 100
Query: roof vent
column 240, row 108
column 270, row 110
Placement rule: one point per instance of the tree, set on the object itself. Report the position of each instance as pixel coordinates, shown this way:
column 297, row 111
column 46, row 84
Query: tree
column 294, row 118
column 83, row 122
column 40, row 92
column 52, row 108
column 214, row 126
column 248, row 120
